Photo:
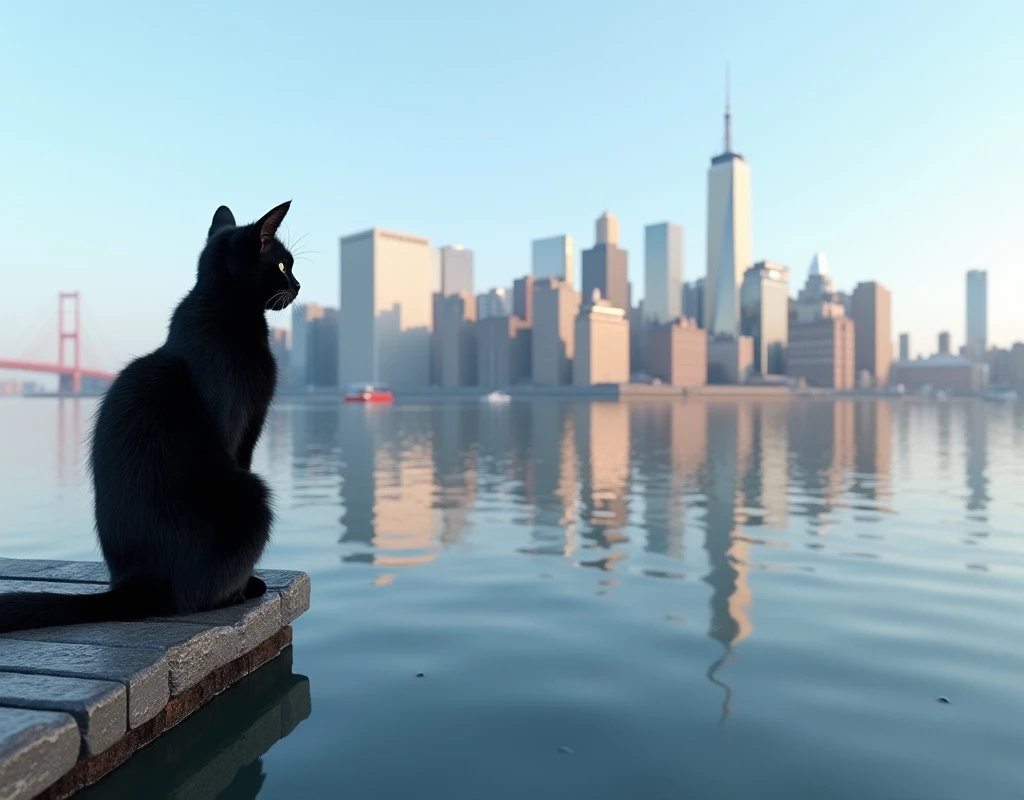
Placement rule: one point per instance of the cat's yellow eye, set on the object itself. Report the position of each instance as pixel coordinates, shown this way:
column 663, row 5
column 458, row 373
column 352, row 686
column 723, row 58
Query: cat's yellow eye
column 281, row 267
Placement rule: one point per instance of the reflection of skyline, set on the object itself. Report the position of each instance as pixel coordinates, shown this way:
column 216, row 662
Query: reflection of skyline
column 624, row 486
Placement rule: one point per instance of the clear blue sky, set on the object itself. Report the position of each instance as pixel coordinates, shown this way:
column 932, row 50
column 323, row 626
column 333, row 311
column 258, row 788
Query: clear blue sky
column 886, row 134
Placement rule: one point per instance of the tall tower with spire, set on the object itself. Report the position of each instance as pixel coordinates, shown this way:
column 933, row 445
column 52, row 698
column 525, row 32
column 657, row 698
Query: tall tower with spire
column 729, row 247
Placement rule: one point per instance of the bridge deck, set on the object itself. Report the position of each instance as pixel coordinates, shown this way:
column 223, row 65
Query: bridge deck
column 77, row 701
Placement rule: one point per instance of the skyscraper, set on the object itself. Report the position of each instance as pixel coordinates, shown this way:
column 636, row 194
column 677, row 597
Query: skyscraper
column 314, row 355
column 904, row 347
column 494, row 303
column 977, row 313
column 605, row 266
column 944, row 343
column 522, row 298
column 872, row 315
column 693, row 301
column 728, row 242
column 456, row 270
column 555, row 305
column 663, row 272
column 764, row 315
column 458, row 340
column 554, row 257
column 386, row 309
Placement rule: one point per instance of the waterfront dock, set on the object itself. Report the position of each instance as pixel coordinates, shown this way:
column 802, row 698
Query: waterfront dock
column 77, row 701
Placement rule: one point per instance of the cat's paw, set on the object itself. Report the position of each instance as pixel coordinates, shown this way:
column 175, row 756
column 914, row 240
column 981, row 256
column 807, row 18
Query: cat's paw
column 254, row 588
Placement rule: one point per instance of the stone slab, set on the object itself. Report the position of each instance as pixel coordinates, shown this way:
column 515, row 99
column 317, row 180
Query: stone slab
column 89, row 770
column 255, row 621
column 68, row 571
column 36, row 749
column 143, row 672
column 51, row 586
column 294, row 588
column 192, row 651
column 99, row 707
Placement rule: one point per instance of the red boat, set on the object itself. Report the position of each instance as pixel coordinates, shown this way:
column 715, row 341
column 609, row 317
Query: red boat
column 368, row 393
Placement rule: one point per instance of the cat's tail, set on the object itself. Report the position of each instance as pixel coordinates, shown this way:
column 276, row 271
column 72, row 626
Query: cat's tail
column 129, row 600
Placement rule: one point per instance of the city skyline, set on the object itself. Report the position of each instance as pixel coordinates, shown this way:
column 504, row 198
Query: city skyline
column 508, row 176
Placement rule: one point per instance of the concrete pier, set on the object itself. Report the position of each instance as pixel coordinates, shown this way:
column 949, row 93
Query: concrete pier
column 77, row 701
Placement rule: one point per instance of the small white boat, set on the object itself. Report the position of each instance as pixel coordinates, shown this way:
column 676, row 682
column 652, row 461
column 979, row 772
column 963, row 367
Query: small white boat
column 495, row 397
column 1001, row 395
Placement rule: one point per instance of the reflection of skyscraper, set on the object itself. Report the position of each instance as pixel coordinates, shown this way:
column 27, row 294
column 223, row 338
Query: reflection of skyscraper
column 977, row 457
column 552, row 475
column 731, row 446
column 728, row 242
column 602, row 442
column 454, row 434
column 767, row 483
column 873, row 441
column 387, row 490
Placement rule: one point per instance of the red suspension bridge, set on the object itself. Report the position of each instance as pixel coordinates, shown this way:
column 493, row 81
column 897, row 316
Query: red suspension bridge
column 68, row 365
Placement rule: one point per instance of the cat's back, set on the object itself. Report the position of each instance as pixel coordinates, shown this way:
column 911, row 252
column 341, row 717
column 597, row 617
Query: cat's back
column 151, row 404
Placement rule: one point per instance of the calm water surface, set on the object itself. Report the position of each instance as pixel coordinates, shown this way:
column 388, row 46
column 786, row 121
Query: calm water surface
column 657, row 600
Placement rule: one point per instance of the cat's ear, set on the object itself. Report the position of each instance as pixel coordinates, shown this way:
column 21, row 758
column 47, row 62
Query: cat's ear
column 270, row 222
column 222, row 218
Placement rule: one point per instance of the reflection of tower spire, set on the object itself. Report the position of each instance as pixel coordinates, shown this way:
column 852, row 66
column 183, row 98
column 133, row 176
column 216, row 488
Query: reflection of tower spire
column 728, row 114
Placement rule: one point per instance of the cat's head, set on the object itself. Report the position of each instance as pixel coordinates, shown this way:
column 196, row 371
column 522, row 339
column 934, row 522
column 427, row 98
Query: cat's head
column 248, row 261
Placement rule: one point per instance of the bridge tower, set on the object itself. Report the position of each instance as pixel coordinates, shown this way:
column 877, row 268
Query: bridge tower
column 70, row 380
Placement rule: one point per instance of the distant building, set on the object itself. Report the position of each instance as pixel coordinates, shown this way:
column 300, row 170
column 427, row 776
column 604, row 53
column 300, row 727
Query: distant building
column 458, row 341
column 728, row 237
column 1000, row 365
column 281, row 350
column 904, row 347
column 555, row 306
column 764, row 315
column 944, row 344
column 872, row 315
column 522, row 299
column 730, row 359
column 977, row 313
column 386, row 309
column 677, row 353
column 456, row 270
column 819, row 299
column 663, row 272
column 693, row 301
column 504, row 347
column 554, row 258
column 822, row 353
column 436, row 317
column 951, row 373
column 494, row 303
column 605, row 266
column 637, row 340
column 1017, row 365
column 313, row 360
column 602, row 344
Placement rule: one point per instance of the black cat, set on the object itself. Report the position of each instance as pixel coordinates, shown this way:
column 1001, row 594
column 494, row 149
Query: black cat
column 181, row 519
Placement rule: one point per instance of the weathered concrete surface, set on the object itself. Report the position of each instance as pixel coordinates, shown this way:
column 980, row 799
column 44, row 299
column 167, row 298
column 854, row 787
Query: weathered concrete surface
column 294, row 588
column 143, row 672
column 64, row 571
column 101, row 691
column 192, row 651
column 254, row 621
column 99, row 707
column 88, row 771
column 36, row 749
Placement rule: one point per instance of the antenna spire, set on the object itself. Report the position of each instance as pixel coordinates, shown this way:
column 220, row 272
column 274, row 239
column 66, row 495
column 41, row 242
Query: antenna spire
column 728, row 114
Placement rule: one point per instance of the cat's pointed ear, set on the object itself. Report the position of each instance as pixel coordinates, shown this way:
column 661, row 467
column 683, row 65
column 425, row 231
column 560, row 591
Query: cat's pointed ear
column 270, row 222
column 222, row 218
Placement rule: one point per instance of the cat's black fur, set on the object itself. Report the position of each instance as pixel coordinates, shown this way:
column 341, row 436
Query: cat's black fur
column 181, row 519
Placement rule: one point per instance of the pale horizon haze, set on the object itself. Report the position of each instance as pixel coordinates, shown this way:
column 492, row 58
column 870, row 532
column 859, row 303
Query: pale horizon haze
column 884, row 134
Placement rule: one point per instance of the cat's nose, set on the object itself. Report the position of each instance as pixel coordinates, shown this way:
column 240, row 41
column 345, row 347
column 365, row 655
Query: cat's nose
column 297, row 287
